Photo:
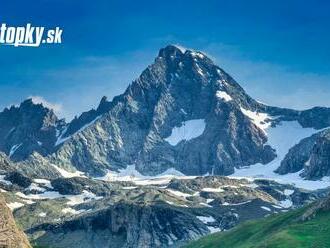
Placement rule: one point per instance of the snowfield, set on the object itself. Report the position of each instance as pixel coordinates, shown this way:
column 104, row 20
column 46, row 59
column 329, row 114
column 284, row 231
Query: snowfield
column 189, row 130
column 282, row 137
column 131, row 174
column 259, row 119
column 223, row 95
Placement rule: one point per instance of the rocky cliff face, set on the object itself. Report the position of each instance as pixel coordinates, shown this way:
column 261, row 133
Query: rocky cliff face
column 310, row 155
column 177, row 91
column 126, row 225
column 27, row 128
column 183, row 112
column 318, row 164
column 10, row 235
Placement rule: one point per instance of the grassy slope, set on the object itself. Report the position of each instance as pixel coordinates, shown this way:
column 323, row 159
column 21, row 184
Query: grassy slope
column 277, row 231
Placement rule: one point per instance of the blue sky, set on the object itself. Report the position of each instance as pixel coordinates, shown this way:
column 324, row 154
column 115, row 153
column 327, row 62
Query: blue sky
column 277, row 50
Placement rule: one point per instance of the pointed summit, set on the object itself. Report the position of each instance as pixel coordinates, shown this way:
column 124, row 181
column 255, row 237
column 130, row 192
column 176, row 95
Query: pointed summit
column 171, row 50
column 27, row 128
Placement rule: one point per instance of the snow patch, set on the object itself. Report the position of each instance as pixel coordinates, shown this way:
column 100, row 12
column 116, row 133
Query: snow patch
column 43, row 182
column 197, row 54
column 181, row 48
column 62, row 139
column 172, row 172
column 266, row 208
column 286, row 203
column 212, row 190
column 86, row 196
column 34, row 186
column 206, row 219
column 199, row 70
column 27, row 201
column 15, row 205
column 214, row 229
column 14, row 149
column 169, row 202
column 132, row 175
column 67, row 174
column 178, row 193
column 282, row 137
column 235, row 204
column 188, row 130
column 44, row 195
column 42, row 214
column 223, row 95
column 129, row 187
column 2, row 179
column 205, row 205
column 259, row 119
column 72, row 211
column 288, row 192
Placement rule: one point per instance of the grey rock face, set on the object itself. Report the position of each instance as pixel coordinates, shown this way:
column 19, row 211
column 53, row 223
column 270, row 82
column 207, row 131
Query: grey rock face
column 319, row 206
column 27, row 128
column 318, row 117
column 318, row 164
column 76, row 185
column 18, row 179
column 5, row 164
column 87, row 117
column 311, row 154
column 123, row 225
column 297, row 156
column 10, row 235
column 36, row 166
column 177, row 88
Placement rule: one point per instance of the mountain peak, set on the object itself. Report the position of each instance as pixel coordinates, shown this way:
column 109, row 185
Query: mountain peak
column 171, row 50
column 178, row 50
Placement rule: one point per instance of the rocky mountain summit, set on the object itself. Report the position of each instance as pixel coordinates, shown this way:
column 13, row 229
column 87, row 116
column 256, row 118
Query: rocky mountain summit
column 177, row 90
column 183, row 112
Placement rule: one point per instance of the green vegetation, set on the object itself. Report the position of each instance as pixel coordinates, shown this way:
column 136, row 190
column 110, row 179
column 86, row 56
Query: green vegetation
column 277, row 231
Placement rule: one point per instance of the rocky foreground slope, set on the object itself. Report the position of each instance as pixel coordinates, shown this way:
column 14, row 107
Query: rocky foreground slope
column 10, row 235
column 155, row 212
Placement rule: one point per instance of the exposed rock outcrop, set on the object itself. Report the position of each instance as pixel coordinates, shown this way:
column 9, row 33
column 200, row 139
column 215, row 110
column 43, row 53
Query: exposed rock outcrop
column 312, row 155
column 10, row 235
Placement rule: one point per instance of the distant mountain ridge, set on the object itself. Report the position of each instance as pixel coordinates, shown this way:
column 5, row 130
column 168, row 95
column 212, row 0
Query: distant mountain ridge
column 26, row 128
